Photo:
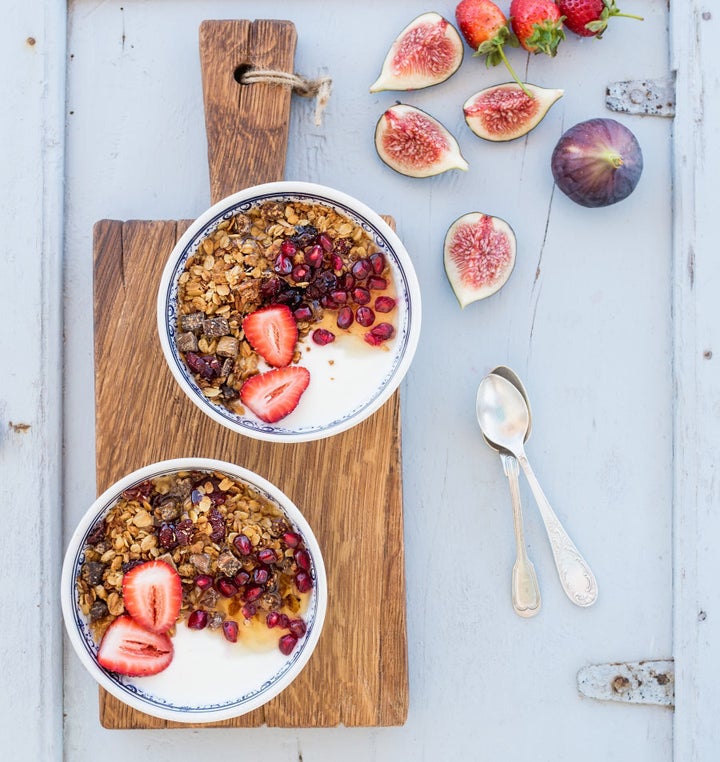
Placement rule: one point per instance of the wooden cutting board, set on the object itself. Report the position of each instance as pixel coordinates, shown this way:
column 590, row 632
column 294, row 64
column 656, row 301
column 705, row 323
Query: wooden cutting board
column 348, row 486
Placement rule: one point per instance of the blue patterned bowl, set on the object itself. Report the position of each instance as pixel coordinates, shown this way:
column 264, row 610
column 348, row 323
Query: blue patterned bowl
column 209, row 679
column 349, row 381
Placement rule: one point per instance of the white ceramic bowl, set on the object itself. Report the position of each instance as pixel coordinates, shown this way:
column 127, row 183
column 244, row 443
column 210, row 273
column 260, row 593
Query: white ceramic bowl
column 349, row 380
column 209, row 679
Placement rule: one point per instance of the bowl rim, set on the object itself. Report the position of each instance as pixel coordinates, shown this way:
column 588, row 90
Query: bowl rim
column 333, row 196
column 70, row 609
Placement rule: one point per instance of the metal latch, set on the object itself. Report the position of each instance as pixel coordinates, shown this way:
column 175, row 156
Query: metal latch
column 653, row 97
column 639, row 682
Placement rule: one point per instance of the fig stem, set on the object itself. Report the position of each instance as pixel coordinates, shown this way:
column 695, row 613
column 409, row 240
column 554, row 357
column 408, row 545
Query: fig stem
column 616, row 160
column 512, row 72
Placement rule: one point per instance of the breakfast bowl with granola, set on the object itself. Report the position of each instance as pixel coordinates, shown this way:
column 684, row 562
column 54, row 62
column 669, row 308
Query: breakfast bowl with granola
column 193, row 590
column 289, row 312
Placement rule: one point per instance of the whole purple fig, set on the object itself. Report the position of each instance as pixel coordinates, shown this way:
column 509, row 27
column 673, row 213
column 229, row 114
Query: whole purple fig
column 597, row 162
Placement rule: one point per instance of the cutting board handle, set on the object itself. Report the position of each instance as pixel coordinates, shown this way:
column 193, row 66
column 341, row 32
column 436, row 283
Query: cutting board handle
column 247, row 125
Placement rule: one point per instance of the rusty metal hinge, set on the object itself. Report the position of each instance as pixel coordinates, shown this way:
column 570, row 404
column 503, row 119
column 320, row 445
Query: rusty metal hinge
column 639, row 682
column 652, row 97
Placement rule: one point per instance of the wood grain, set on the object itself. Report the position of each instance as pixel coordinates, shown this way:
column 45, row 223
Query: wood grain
column 348, row 486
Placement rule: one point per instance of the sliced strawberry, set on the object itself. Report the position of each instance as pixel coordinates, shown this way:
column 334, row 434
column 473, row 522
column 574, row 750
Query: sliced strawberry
column 152, row 593
column 272, row 333
column 275, row 394
column 129, row 649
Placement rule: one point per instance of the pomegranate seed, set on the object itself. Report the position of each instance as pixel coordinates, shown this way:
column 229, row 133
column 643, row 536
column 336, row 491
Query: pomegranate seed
column 287, row 644
column 267, row 556
column 300, row 273
column 226, row 587
column 283, row 622
column 253, row 593
column 297, row 627
column 345, row 319
column 260, row 576
column 283, row 265
column 302, row 559
column 272, row 619
column 303, row 312
column 361, row 295
column 243, row 544
column 288, row 247
column 377, row 261
column 342, row 245
column 325, row 241
column 376, row 283
column 328, row 302
column 292, row 539
column 346, row 281
column 230, row 630
column 337, row 262
column 249, row 610
column 365, row 316
column 361, row 269
column 339, row 297
column 314, row 256
column 203, row 581
column 303, row 582
column 322, row 336
column 381, row 332
column 241, row 578
column 198, row 620
column 384, row 304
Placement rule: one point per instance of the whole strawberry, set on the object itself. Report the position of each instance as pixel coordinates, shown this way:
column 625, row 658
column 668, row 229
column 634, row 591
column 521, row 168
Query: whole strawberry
column 589, row 18
column 538, row 25
column 486, row 30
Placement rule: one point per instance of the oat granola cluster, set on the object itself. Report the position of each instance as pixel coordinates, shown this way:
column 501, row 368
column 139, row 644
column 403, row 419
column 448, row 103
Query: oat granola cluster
column 237, row 556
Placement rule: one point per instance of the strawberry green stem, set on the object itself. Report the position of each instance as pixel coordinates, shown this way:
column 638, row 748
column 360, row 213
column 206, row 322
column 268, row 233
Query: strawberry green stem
column 512, row 72
column 629, row 16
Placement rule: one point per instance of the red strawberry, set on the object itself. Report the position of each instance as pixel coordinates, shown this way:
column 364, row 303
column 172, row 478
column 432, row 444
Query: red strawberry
column 589, row 18
column 132, row 650
column 152, row 593
column 485, row 29
column 272, row 333
column 275, row 394
column 538, row 25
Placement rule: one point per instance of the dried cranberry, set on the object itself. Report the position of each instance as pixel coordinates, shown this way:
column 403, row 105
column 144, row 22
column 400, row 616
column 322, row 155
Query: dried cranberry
column 140, row 491
column 167, row 537
column 271, row 287
column 305, row 234
column 217, row 523
column 97, row 533
column 328, row 281
column 184, row 531
column 342, row 246
column 131, row 565
column 207, row 366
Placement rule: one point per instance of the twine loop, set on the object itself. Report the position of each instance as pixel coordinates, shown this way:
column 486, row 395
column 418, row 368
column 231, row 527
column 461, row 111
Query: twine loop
column 303, row 86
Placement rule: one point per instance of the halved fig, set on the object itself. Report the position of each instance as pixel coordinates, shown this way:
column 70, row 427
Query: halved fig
column 425, row 53
column 415, row 144
column 479, row 256
column 505, row 112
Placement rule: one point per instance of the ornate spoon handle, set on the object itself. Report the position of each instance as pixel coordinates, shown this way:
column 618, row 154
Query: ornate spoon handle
column 576, row 578
column 525, row 589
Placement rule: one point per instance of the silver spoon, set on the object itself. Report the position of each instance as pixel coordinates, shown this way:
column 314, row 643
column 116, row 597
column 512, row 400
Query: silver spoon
column 504, row 418
column 525, row 591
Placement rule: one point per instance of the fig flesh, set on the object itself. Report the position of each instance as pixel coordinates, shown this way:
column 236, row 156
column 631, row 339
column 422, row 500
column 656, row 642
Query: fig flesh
column 479, row 256
column 415, row 144
column 425, row 53
column 506, row 112
column 597, row 162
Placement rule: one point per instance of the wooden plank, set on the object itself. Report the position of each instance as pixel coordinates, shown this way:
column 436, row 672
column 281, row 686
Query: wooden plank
column 696, row 372
column 349, row 487
column 32, row 154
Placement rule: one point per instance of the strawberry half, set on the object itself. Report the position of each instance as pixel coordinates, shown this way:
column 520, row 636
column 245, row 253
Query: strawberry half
column 275, row 394
column 152, row 593
column 272, row 333
column 129, row 649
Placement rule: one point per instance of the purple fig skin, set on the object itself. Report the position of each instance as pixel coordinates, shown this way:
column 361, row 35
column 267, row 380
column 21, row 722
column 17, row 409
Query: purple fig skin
column 597, row 162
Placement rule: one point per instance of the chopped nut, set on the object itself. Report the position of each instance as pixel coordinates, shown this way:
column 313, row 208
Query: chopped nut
column 187, row 342
column 192, row 322
column 214, row 328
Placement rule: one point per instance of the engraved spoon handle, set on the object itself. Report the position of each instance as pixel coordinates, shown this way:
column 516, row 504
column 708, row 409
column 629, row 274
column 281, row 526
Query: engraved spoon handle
column 576, row 578
column 525, row 590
